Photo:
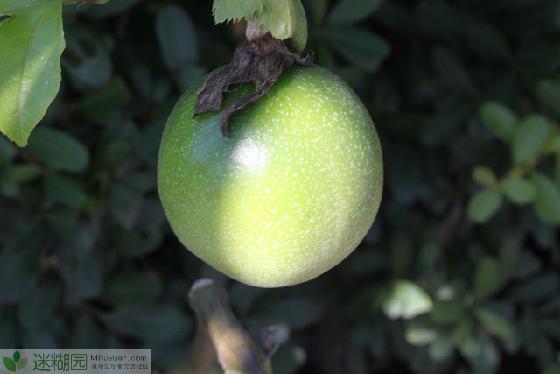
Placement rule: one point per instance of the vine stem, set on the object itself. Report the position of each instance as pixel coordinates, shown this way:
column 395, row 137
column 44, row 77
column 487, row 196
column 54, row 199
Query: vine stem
column 220, row 338
column 253, row 31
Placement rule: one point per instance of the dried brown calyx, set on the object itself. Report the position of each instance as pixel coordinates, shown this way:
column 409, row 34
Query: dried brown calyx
column 260, row 60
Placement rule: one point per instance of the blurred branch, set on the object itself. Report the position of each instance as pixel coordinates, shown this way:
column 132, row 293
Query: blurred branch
column 220, row 337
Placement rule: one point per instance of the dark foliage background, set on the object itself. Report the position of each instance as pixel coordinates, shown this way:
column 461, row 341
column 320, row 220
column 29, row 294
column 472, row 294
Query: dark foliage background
column 458, row 275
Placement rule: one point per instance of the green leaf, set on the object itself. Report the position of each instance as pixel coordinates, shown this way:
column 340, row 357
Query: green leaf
column 58, row 150
column 298, row 41
column 484, row 205
column 487, row 278
column 406, row 300
column 496, row 324
column 32, row 41
column 16, row 356
column 363, row 48
column 285, row 19
column 347, row 12
column 548, row 93
column 484, row 176
column 530, row 136
column 9, row 364
column 234, row 10
column 519, row 191
column 547, row 201
column 177, row 37
column 499, row 119
column 24, row 173
column 453, row 72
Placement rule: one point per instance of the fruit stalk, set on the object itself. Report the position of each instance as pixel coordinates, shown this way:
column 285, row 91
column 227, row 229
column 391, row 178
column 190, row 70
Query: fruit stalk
column 253, row 31
column 220, row 337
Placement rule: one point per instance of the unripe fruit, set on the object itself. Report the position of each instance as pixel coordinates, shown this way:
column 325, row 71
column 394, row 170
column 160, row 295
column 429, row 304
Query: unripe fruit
column 289, row 194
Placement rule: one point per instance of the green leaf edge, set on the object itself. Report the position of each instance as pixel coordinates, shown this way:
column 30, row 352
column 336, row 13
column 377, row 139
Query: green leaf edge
column 21, row 136
column 263, row 14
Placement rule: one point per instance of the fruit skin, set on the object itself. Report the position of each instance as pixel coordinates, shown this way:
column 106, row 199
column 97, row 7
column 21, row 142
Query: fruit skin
column 289, row 194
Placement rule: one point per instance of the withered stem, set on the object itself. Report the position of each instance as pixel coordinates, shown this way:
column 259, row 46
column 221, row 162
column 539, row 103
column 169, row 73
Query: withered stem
column 260, row 60
column 220, row 337
column 253, row 31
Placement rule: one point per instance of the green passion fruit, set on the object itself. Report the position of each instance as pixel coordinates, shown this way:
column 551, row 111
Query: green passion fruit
column 289, row 194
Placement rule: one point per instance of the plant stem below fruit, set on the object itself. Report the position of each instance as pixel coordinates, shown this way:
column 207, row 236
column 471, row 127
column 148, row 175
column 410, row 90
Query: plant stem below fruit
column 220, row 337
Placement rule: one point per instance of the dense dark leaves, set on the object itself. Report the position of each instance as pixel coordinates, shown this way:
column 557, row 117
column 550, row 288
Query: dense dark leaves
column 459, row 269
